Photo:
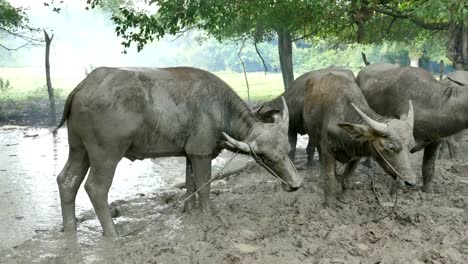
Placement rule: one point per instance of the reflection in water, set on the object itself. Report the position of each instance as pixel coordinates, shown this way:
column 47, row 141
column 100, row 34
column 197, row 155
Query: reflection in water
column 30, row 160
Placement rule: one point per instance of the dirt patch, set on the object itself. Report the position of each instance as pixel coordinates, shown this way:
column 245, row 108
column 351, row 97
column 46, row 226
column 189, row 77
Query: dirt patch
column 254, row 221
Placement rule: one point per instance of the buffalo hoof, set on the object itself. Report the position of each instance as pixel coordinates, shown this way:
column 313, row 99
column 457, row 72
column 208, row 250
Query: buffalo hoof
column 69, row 227
column 330, row 202
column 188, row 206
column 205, row 209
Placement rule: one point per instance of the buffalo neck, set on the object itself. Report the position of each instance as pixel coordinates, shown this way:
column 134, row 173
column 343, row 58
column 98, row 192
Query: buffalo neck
column 238, row 119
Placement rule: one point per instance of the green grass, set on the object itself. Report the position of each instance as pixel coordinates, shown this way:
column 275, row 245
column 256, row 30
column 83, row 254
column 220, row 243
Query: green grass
column 29, row 83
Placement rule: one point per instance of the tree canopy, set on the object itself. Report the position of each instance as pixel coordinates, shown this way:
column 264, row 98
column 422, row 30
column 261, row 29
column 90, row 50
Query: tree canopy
column 411, row 21
column 257, row 20
column 363, row 21
column 14, row 24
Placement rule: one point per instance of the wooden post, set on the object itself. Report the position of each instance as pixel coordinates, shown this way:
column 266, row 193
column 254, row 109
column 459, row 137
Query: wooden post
column 50, row 90
column 364, row 58
column 442, row 70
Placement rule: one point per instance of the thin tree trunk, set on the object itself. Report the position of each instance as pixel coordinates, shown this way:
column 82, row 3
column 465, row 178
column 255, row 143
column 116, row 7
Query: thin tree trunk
column 243, row 68
column 50, row 90
column 364, row 58
column 457, row 50
column 285, row 56
column 441, row 70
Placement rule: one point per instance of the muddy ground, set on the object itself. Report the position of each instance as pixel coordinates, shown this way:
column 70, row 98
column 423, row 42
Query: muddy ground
column 255, row 221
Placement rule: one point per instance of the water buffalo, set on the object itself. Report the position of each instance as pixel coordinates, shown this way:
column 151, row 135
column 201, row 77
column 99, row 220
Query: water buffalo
column 141, row 113
column 344, row 128
column 440, row 111
column 295, row 100
column 454, row 142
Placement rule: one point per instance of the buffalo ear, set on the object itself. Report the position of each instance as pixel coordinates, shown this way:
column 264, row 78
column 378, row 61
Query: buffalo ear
column 357, row 132
column 268, row 116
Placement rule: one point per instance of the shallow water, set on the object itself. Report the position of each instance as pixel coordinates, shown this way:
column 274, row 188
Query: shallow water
column 30, row 160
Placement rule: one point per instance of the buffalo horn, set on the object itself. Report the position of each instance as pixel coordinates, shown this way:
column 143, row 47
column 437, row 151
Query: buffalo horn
column 238, row 144
column 380, row 127
column 410, row 116
column 285, row 116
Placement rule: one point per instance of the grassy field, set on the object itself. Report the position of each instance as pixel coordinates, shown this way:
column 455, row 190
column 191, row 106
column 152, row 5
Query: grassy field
column 30, row 83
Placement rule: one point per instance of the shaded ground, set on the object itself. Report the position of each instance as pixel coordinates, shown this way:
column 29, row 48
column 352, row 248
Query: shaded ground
column 31, row 111
column 254, row 221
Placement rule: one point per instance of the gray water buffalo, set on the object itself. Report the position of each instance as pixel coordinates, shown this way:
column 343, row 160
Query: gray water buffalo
column 440, row 111
column 344, row 128
column 295, row 100
column 455, row 142
column 141, row 113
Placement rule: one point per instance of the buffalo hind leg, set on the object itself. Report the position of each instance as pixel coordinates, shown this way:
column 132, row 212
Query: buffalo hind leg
column 190, row 186
column 428, row 167
column 292, row 136
column 454, row 144
column 69, row 181
column 310, row 150
column 201, row 165
column 97, row 186
column 330, row 181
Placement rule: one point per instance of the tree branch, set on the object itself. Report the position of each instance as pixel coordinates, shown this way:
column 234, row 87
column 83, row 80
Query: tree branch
column 21, row 35
column 391, row 24
column 260, row 55
column 419, row 22
column 243, row 67
column 180, row 33
column 303, row 37
column 17, row 48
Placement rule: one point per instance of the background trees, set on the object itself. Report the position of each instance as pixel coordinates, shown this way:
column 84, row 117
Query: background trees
column 257, row 20
column 14, row 25
column 286, row 22
column 413, row 21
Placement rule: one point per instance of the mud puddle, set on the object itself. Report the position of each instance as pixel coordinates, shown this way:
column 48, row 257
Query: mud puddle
column 30, row 160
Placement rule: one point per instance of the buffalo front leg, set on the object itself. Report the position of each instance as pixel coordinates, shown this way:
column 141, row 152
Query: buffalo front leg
column 349, row 170
column 97, row 186
column 428, row 166
column 201, row 165
column 330, row 181
column 69, row 181
column 190, row 186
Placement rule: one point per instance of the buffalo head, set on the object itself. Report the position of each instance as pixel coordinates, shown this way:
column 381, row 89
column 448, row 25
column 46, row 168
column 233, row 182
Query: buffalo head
column 390, row 142
column 268, row 144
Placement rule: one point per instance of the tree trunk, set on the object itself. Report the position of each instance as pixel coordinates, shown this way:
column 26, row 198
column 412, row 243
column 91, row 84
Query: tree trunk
column 50, row 90
column 457, row 50
column 285, row 56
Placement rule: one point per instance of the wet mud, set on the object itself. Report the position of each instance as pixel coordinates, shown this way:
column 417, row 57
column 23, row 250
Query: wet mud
column 254, row 221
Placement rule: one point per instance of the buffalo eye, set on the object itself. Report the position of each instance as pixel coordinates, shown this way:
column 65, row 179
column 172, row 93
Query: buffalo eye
column 394, row 146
